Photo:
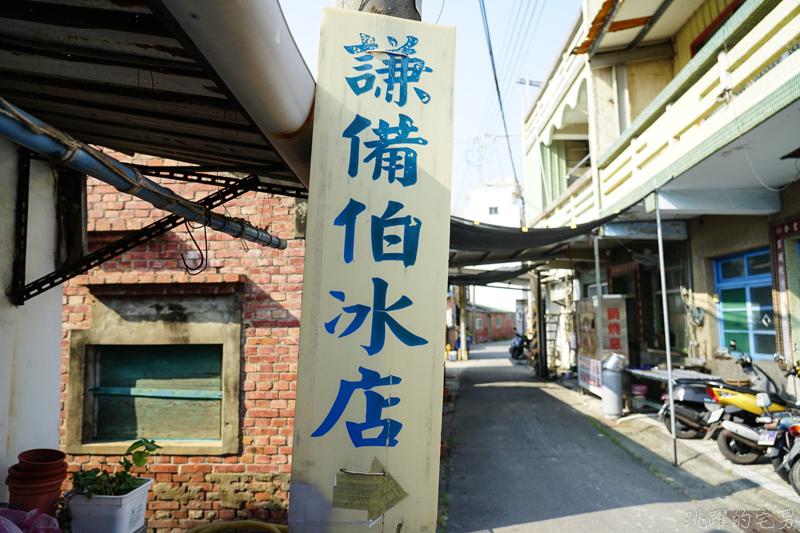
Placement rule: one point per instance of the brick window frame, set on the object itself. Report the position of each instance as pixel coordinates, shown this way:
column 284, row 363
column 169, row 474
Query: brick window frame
column 170, row 327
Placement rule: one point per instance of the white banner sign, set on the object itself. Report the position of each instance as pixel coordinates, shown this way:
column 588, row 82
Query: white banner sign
column 369, row 391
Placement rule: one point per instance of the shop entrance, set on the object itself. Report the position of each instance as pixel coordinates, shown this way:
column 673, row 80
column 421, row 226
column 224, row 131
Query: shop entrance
column 625, row 281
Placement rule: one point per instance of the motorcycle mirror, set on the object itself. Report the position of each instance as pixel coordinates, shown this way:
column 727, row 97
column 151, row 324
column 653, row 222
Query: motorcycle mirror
column 778, row 357
column 732, row 344
column 762, row 400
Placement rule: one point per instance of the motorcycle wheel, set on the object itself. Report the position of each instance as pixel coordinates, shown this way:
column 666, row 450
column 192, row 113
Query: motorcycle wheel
column 782, row 472
column 794, row 477
column 682, row 431
column 737, row 452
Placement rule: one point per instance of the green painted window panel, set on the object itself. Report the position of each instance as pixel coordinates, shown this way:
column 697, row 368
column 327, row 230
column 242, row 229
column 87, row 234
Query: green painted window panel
column 742, row 340
column 128, row 417
column 181, row 366
column 733, row 299
column 736, row 320
column 162, row 367
column 758, row 264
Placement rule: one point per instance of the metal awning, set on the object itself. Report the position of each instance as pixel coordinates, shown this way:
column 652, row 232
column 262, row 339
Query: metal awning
column 472, row 243
column 491, row 276
column 116, row 74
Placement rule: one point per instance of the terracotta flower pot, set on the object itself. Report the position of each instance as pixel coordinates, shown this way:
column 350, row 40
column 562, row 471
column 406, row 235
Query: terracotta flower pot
column 27, row 495
column 40, row 460
column 35, row 483
column 38, row 477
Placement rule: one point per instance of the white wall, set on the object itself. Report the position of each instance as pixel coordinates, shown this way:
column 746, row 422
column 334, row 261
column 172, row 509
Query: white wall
column 30, row 335
column 499, row 194
column 500, row 299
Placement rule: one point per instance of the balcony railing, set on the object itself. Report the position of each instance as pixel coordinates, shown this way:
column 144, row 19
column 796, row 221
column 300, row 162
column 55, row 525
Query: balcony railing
column 573, row 206
column 745, row 73
column 687, row 125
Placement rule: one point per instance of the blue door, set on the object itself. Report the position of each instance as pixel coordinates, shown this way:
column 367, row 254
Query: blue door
column 745, row 310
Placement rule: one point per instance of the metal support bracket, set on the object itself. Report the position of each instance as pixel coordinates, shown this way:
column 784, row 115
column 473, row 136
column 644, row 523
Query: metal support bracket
column 20, row 226
column 26, row 292
column 193, row 175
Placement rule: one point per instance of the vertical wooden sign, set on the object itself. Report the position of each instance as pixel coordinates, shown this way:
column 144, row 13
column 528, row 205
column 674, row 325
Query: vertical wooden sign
column 369, row 391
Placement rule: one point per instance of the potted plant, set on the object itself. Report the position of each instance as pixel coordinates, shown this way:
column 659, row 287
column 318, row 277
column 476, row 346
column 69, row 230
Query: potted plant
column 105, row 502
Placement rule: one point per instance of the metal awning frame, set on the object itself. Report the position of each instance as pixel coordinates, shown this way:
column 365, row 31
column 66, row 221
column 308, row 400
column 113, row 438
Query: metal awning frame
column 20, row 291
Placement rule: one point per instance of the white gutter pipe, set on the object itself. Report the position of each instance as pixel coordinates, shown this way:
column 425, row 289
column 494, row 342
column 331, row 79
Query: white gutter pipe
column 250, row 47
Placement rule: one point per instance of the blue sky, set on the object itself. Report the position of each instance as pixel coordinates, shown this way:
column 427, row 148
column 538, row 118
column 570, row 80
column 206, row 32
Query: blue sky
column 519, row 52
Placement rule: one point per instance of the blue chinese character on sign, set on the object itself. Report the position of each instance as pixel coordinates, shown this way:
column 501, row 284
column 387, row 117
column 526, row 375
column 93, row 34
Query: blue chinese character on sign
column 376, row 403
column 400, row 69
column 380, row 240
column 381, row 319
column 358, row 125
column 399, row 162
column 365, row 82
column 411, row 229
column 389, row 157
column 347, row 218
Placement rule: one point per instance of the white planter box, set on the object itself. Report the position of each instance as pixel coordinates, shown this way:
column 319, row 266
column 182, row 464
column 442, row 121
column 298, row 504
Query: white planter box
column 110, row 514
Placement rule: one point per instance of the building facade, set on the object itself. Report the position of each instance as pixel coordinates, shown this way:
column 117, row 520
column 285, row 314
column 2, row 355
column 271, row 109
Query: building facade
column 190, row 342
column 491, row 325
column 693, row 108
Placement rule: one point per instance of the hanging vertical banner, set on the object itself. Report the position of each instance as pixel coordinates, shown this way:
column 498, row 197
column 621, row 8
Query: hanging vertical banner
column 369, row 391
column 784, row 233
column 615, row 337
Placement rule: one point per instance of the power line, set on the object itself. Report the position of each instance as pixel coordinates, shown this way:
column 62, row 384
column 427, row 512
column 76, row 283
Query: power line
column 509, row 38
column 519, row 59
column 513, row 63
column 440, row 12
column 523, row 56
column 499, row 98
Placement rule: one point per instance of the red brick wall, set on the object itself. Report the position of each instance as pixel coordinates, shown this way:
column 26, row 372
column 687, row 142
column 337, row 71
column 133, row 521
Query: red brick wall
column 505, row 331
column 255, row 482
column 480, row 334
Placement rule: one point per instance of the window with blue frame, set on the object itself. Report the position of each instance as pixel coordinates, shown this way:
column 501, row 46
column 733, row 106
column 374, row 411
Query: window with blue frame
column 746, row 315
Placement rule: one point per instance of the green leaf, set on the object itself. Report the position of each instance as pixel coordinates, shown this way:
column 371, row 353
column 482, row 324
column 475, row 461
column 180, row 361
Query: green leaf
column 150, row 445
column 140, row 458
column 134, row 446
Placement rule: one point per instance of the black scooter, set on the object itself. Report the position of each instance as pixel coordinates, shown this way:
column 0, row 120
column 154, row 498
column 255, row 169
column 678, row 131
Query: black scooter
column 518, row 346
column 695, row 409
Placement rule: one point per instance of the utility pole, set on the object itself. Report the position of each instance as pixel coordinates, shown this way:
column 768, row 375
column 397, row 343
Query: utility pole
column 404, row 9
column 524, row 93
column 462, row 323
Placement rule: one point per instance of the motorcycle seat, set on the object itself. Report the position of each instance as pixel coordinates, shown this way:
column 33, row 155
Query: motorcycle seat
column 773, row 396
column 706, row 382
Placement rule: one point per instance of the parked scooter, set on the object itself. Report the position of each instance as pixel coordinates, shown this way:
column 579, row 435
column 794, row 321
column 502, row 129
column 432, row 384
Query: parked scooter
column 783, row 436
column 518, row 345
column 739, row 435
column 785, row 446
column 743, row 441
column 697, row 410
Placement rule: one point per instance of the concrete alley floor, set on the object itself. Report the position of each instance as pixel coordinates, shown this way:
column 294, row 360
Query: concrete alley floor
column 534, row 456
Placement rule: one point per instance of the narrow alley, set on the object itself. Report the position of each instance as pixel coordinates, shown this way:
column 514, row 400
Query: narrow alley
column 524, row 460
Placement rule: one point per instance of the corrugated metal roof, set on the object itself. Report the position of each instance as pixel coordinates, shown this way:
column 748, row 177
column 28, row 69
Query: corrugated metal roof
column 112, row 73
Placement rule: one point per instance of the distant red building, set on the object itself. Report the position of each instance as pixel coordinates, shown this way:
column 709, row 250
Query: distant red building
column 487, row 324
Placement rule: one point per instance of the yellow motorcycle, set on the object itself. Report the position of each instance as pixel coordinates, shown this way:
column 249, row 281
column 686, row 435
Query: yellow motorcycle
column 747, row 410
